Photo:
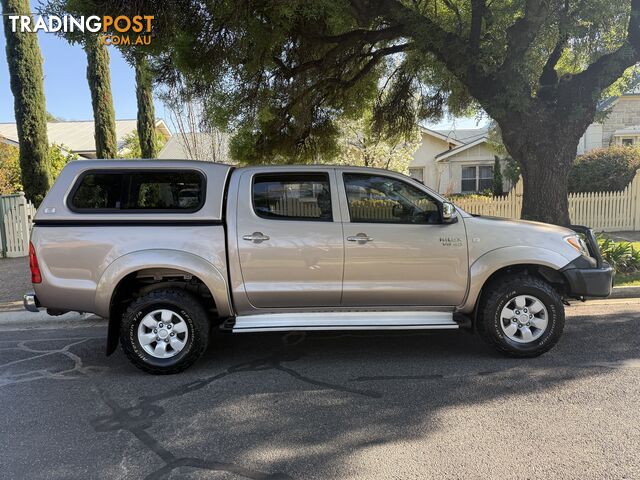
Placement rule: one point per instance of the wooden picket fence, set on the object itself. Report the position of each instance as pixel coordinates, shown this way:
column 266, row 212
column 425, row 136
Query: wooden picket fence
column 16, row 219
column 602, row 211
column 295, row 208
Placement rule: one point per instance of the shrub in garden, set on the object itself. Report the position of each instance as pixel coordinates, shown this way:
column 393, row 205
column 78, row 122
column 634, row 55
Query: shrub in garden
column 10, row 180
column 622, row 256
column 10, row 172
column 604, row 169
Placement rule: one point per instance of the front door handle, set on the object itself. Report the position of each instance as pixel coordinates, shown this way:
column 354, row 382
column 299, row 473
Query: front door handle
column 256, row 237
column 360, row 238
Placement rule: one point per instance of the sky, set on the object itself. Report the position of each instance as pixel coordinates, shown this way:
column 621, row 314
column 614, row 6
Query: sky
column 67, row 92
column 65, row 81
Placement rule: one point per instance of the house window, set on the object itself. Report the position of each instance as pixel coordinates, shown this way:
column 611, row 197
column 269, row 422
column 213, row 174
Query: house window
column 417, row 173
column 627, row 142
column 485, row 178
column 476, row 179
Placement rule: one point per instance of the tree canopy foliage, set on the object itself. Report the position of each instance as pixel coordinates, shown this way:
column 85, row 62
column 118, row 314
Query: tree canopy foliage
column 294, row 67
column 282, row 74
column 131, row 145
column 360, row 145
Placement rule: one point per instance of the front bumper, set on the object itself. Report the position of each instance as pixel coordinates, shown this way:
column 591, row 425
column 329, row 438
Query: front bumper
column 30, row 302
column 589, row 282
column 589, row 276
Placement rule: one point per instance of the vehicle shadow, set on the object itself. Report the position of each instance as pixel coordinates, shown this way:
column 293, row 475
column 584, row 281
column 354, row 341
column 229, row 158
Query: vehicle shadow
column 319, row 405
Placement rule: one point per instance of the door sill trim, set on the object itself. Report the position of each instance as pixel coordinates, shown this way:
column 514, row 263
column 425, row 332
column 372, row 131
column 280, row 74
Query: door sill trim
column 400, row 320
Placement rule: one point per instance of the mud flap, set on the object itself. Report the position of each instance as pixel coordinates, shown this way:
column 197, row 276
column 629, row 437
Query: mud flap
column 113, row 335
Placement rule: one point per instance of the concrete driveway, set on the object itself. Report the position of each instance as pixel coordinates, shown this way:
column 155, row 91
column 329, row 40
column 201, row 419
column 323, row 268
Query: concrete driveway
column 326, row 406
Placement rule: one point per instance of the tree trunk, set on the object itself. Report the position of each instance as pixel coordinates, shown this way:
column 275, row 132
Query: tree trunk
column 25, row 70
column 146, row 114
column 99, row 79
column 544, row 179
column 545, row 146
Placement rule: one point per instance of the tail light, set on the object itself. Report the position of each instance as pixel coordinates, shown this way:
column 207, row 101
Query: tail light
column 36, row 277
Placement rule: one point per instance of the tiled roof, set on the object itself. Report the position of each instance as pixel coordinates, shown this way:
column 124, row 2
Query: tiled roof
column 464, row 135
column 196, row 146
column 78, row 136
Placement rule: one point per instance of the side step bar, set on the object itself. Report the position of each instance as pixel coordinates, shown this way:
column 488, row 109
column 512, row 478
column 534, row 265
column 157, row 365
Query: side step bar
column 282, row 322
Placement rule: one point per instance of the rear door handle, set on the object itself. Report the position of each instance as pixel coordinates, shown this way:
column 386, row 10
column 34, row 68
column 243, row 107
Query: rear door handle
column 360, row 238
column 256, row 237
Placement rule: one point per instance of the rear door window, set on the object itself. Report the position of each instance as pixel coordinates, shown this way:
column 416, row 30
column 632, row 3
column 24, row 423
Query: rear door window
column 153, row 191
column 293, row 196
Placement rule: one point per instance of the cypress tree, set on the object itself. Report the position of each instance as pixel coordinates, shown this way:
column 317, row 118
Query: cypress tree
column 99, row 79
column 498, row 189
column 146, row 114
column 25, row 71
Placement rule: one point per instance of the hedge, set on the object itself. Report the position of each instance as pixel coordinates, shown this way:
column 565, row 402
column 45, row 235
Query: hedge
column 604, row 169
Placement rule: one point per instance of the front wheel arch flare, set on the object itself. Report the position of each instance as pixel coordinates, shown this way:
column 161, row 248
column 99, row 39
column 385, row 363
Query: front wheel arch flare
column 499, row 259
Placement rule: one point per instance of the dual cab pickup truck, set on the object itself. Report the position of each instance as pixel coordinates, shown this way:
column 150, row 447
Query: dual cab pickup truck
column 167, row 250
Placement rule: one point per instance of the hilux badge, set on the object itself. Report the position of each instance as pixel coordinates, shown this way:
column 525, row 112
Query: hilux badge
column 451, row 241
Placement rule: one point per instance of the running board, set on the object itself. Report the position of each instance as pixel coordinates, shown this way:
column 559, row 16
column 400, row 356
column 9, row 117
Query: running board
column 282, row 322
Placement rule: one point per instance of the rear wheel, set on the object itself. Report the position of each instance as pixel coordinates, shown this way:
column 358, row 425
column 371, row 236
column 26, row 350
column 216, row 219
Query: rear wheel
column 521, row 316
column 164, row 331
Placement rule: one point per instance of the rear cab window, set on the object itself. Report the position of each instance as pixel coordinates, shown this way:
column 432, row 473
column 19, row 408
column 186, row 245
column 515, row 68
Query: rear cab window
column 292, row 196
column 156, row 191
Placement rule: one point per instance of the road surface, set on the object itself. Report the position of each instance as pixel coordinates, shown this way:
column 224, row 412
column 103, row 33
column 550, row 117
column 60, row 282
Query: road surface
column 326, row 406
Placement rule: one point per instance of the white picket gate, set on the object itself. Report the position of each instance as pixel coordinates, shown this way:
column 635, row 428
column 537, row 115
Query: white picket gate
column 16, row 219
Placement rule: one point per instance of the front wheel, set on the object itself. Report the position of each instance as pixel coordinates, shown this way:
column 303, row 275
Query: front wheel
column 164, row 331
column 521, row 316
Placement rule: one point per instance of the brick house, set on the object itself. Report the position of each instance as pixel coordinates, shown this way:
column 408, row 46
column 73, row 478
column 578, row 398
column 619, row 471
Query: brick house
column 619, row 123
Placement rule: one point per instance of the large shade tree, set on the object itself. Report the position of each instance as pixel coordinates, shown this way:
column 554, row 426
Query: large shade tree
column 282, row 74
column 25, row 71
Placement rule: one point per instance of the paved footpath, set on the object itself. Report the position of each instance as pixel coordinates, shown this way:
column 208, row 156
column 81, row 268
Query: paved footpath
column 15, row 281
column 325, row 406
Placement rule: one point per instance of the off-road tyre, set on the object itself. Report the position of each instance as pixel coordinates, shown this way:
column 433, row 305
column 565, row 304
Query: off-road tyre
column 494, row 299
column 184, row 304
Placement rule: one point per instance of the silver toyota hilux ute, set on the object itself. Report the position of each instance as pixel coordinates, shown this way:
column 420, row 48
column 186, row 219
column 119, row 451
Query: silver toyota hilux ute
column 167, row 250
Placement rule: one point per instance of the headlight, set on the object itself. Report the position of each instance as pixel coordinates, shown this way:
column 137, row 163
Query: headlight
column 578, row 243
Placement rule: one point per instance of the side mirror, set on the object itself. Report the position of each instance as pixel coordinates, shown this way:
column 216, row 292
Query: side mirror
column 448, row 213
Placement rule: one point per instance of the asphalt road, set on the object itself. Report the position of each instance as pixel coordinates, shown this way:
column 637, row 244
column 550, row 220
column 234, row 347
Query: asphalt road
column 327, row 406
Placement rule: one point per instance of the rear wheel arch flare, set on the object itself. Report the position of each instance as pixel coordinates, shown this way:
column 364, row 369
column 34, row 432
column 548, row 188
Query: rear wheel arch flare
column 130, row 285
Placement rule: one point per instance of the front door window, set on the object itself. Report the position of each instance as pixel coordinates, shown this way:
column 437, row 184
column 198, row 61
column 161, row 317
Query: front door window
column 380, row 199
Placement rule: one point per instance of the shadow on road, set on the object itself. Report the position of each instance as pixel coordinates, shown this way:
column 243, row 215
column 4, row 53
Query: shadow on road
column 300, row 406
